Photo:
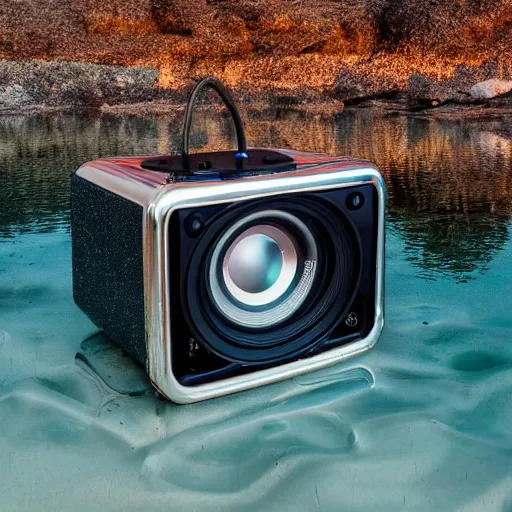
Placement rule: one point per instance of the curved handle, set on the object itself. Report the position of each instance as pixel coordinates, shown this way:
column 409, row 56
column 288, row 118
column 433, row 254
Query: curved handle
column 213, row 83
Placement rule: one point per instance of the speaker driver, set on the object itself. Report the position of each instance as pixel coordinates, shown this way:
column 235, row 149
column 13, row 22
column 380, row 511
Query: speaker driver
column 263, row 275
column 269, row 280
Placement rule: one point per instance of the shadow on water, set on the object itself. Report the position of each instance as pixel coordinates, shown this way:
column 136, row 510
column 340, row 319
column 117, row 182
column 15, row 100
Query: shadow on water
column 450, row 182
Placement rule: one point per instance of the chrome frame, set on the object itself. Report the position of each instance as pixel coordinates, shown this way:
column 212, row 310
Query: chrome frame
column 176, row 196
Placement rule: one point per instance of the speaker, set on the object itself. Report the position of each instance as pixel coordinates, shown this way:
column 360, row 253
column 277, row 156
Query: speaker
column 224, row 271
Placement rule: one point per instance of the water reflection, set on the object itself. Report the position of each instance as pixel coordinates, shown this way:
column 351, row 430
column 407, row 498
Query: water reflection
column 450, row 182
column 38, row 154
column 450, row 187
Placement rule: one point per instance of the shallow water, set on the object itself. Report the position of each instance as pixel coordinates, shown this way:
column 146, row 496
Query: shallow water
column 421, row 422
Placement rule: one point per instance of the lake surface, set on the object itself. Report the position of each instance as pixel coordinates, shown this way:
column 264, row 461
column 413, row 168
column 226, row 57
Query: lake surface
column 421, row 422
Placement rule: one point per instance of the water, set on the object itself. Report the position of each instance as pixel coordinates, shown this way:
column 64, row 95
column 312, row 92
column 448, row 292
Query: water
column 421, row 422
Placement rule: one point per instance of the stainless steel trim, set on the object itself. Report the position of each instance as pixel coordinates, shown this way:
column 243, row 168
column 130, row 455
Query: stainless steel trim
column 121, row 184
column 187, row 195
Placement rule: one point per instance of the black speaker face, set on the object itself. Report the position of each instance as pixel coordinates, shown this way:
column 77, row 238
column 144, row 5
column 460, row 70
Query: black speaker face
column 258, row 284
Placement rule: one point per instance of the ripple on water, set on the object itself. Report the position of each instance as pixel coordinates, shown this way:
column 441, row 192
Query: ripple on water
column 230, row 457
column 113, row 365
column 478, row 361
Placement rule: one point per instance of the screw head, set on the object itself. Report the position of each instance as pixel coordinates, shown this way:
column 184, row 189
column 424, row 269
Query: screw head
column 194, row 225
column 351, row 320
column 355, row 201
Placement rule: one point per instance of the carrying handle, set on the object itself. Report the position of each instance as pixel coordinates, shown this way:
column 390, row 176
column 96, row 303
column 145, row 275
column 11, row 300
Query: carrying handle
column 220, row 89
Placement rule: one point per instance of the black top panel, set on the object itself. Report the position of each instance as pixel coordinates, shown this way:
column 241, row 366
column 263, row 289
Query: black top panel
column 225, row 163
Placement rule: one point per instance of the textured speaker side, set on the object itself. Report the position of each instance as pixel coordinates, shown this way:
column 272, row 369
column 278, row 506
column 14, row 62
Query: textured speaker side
column 108, row 279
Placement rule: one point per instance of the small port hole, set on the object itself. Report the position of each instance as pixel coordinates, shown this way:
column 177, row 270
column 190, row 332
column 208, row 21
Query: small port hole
column 204, row 166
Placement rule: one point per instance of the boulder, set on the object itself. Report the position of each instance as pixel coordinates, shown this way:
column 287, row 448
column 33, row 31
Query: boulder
column 490, row 89
column 425, row 91
column 359, row 82
column 30, row 83
column 14, row 96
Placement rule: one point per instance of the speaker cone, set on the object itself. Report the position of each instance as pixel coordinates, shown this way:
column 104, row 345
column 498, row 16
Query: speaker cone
column 263, row 275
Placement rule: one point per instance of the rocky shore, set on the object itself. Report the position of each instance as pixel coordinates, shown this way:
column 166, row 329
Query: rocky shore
column 42, row 86
column 420, row 55
column 39, row 85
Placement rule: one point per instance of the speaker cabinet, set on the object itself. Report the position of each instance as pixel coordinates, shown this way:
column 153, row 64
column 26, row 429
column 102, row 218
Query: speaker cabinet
column 222, row 281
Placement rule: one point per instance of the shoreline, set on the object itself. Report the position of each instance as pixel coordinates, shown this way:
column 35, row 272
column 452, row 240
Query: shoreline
column 36, row 86
column 383, row 105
